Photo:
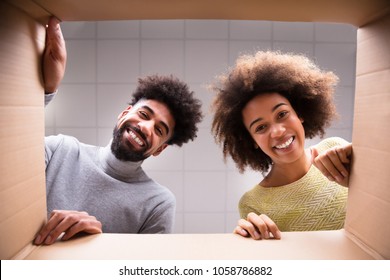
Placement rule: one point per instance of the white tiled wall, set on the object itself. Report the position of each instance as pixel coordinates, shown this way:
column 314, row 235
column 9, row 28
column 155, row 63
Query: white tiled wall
column 106, row 58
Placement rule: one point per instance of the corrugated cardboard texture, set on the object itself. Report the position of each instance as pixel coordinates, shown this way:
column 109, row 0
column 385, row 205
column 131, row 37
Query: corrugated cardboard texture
column 22, row 187
column 357, row 12
column 294, row 245
column 369, row 197
column 22, row 192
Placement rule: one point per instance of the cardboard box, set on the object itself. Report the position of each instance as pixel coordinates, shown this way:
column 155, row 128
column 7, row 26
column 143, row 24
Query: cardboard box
column 22, row 189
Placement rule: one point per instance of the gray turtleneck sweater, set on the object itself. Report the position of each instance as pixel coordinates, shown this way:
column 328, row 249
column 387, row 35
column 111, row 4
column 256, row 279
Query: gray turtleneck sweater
column 119, row 194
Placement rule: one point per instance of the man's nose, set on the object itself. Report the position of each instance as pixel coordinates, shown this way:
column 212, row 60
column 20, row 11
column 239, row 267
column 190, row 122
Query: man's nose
column 146, row 127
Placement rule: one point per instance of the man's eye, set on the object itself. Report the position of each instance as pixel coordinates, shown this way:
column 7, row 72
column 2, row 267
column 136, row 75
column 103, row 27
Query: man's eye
column 159, row 131
column 143, row 114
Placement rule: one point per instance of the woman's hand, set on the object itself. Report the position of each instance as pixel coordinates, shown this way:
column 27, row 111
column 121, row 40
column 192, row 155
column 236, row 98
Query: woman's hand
column 257, row 227
column 334, row 163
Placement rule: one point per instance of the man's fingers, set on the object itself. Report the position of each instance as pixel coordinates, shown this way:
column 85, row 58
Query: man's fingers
column 90, row 225
column 54, row 57
column 57, row 224
column 68, row 222
column 53, row 28
column 55, row 40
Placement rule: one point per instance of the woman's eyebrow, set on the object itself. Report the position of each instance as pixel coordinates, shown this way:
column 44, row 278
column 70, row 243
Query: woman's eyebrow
column 273, row 110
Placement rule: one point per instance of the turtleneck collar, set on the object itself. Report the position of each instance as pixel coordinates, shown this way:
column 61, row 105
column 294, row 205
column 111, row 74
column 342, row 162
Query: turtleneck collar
column 126, row 171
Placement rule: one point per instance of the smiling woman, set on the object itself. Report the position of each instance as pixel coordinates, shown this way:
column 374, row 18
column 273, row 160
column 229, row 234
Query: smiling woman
column 265, row 107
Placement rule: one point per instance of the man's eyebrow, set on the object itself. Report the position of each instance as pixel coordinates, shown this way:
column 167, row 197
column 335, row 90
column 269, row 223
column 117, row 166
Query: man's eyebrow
column 273, row 110
column 146, row 107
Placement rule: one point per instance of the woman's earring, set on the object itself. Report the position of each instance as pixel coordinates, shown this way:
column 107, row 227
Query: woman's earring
column 255, row 146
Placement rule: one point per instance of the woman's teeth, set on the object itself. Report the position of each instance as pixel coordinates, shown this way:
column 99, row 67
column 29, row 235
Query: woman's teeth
column 286, row 144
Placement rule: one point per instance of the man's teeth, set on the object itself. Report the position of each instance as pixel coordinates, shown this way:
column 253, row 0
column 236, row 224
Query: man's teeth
column 139, row 142
column 286, row 144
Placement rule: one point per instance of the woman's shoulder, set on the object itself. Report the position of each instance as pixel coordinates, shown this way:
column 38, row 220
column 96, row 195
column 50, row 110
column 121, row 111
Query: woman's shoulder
column 330, row 142
column 249, row 194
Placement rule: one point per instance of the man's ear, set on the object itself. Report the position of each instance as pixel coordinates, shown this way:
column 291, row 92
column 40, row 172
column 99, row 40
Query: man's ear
column 160, row 149
column 124, row 112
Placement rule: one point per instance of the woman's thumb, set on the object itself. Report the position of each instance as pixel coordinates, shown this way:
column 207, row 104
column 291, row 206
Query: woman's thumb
column 314, row 153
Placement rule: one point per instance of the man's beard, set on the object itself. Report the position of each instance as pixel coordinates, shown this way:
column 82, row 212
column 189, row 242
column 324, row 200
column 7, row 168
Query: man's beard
column 122, row 151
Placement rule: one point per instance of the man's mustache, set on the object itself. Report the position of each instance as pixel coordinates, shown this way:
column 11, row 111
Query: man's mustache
column 139, row 132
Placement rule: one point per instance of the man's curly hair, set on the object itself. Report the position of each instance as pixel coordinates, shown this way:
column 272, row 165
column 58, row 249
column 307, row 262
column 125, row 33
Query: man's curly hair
column 175, row 94
column 309, row 90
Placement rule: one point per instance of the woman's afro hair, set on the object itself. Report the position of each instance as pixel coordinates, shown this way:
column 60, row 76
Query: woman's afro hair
column 309, row 90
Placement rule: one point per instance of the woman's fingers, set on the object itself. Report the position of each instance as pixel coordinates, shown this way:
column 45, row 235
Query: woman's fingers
column 257, row 227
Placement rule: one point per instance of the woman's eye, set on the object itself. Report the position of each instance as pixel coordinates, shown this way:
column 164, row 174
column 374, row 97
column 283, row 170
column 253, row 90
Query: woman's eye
column 260, row 128
column 283, row 114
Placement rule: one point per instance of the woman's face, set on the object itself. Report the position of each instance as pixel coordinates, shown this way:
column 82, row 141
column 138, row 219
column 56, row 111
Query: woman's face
column 275, row 127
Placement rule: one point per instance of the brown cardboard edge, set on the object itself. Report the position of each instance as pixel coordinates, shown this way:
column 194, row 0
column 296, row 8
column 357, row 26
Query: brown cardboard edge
column 16, row 22
column 373, row 17
column 30, row 248
column 31, row 8
column 24, row 252
column 314, row 245
column 203, row 10
column 363, row 245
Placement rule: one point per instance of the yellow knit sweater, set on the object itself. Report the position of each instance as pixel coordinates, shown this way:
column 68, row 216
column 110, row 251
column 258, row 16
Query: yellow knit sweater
column 311, row 203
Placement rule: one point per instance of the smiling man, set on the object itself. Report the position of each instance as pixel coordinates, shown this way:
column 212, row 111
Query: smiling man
column 142, row 131
column 94, row 189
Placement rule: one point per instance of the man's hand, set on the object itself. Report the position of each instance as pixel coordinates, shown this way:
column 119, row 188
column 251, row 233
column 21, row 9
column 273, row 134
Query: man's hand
column 334, row 163
column 54, row 57
column 69, row 222
column 257, row 227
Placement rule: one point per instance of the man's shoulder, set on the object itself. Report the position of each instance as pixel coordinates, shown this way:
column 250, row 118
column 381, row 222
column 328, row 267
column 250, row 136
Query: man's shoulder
column 163, row 192
column 60, row 138
column 61, row 141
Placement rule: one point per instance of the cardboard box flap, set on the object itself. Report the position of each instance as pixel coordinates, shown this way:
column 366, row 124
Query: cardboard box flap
column 31, row 8
column 317, row 245
column 22, row 165
column 369, row 195
column 356, row 12
column 368, row 203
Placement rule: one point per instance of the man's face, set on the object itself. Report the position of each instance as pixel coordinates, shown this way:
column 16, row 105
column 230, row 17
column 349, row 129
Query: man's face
column 142, row 130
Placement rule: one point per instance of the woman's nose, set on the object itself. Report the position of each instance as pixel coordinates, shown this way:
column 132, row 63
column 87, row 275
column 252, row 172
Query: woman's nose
column 277, row 130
